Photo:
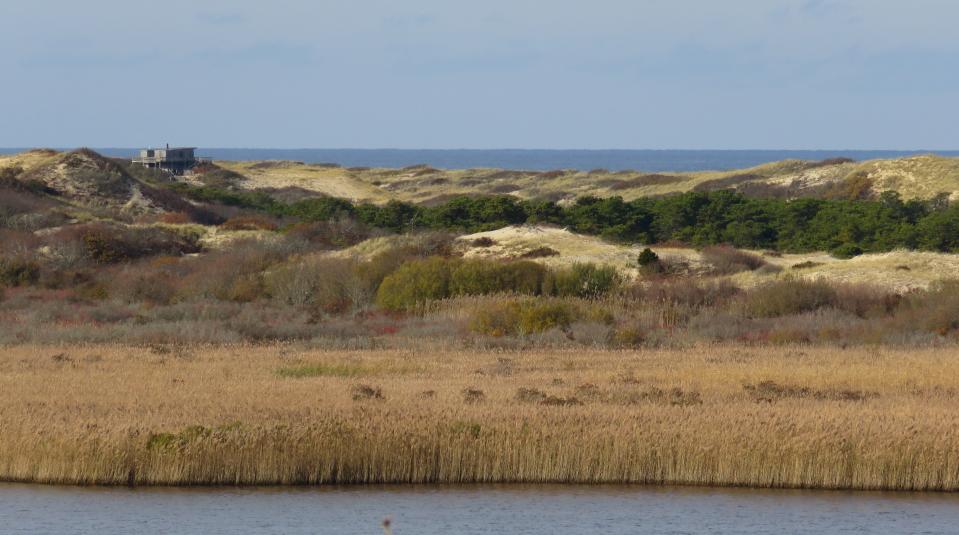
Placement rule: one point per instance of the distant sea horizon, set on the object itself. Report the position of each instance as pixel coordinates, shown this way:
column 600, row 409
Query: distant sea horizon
column 649, row 160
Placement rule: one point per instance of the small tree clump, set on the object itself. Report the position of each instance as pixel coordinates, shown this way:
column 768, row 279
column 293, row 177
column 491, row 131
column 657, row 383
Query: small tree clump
column 647, row 258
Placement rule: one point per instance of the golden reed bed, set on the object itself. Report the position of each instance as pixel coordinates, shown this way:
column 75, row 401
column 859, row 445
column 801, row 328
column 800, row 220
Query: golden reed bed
column 785, row 417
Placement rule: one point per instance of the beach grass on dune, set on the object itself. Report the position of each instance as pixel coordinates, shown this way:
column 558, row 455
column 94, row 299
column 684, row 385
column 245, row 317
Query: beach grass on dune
column 811, row 417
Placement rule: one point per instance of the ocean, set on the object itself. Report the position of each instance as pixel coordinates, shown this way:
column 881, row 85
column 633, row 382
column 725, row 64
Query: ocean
column 537, row 159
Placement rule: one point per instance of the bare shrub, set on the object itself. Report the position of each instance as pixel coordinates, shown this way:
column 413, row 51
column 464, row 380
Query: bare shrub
column 935, row 310
column 856, row 186
column 18, row 243
column 103, row 243
column 789, row 296
column 334, row 233
column 684, row 292
column 327, row 285
column 728, row 260
column 589, row 333
column 232, row 275
column 865, row 300
column 154, row 281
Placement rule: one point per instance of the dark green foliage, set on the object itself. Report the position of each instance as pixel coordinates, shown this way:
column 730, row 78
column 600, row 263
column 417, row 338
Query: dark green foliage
column 253, row 200
column 476, row 214
column 699, row 218
column 846, row 250
column 320, row 209
column 647, row 258
column 395, row 215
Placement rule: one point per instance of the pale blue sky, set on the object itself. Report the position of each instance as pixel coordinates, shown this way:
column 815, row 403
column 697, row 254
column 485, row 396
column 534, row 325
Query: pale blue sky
column 734, row 74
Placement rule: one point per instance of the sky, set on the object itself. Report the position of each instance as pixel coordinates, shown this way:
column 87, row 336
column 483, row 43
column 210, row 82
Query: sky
column 555, row 74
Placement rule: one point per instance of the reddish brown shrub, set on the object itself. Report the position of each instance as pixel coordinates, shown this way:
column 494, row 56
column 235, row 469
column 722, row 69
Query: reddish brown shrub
column 249, row 222
column 335, row 233
column 174, row 218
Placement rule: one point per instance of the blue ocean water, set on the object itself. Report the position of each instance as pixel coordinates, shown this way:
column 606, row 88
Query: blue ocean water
column 537, row 159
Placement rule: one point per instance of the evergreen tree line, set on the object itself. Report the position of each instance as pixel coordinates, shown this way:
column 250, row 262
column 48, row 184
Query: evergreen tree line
column 846, row 227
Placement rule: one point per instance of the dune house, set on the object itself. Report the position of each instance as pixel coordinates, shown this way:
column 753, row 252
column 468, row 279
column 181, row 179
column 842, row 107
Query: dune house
column 177, row 160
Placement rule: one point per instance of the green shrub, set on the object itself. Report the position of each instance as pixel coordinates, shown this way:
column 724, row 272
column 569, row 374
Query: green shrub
column 538, row 316
column 846, row 251
column 789, row 296
column 512, row 317
column 416, row 283
column 484, row 277
column 584, row 280
column 18, row 272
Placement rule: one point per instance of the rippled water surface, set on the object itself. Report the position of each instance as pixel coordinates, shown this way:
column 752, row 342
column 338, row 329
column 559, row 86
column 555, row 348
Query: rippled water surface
column 470, row 510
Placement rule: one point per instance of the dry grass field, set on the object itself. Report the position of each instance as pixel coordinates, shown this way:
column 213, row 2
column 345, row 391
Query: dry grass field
column 283, row 414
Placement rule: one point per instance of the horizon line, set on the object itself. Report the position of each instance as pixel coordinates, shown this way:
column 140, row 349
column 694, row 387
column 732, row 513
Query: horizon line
column 502, row 149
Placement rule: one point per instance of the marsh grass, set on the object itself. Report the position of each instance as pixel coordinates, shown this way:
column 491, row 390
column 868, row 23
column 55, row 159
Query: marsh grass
column 792, row 416
column 324, row 370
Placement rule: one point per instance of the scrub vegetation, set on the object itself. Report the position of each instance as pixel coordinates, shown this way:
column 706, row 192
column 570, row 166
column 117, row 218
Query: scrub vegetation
column 195, row 330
